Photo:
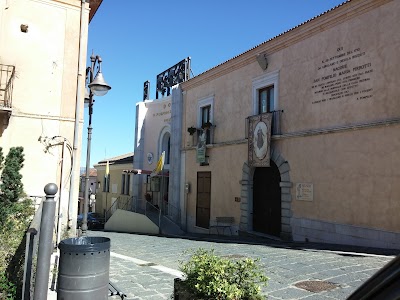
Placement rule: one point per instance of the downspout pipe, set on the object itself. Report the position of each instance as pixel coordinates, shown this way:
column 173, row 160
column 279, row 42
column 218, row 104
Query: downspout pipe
column 81, row 73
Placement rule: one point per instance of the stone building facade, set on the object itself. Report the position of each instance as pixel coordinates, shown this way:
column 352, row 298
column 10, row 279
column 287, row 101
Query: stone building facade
column 330, row 87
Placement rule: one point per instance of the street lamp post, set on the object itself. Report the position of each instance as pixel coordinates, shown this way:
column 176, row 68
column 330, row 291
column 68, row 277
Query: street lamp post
column 98, row 87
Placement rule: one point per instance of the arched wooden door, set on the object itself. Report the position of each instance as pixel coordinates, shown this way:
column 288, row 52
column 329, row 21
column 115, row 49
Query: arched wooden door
column 267, row 200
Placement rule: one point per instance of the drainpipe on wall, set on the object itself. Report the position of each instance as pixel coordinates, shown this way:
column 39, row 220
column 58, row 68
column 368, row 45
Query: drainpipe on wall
column 81, row 60
column 60, row 195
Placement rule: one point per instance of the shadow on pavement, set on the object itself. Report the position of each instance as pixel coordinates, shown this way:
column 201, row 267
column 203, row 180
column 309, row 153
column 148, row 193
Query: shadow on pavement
column 347, row 250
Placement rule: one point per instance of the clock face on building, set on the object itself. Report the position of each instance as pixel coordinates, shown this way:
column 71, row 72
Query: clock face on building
column 260, row 140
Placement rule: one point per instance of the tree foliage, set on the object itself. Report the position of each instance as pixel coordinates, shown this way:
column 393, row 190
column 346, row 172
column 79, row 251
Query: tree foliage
column 11, row 179
column 15, row 216
column 1, row 158
column 14, row 220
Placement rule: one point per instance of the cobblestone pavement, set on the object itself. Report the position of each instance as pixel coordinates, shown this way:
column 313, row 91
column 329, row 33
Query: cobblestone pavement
column 144, row 267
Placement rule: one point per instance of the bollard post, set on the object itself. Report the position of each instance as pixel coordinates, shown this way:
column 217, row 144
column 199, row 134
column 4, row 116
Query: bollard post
column 45, row 242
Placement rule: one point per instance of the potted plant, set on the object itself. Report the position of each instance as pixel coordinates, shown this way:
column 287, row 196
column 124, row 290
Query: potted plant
column 208, row 276
column 191, row 130
column 206, row 125
column 147, row 196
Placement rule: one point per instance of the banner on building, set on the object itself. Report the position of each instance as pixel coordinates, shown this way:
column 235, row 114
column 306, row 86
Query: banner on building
column 201, row 148
column 259, row 140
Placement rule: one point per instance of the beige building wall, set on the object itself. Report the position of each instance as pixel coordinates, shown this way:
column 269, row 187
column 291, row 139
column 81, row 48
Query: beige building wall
column 104, row 200
column 44, row 90
column 336, row 81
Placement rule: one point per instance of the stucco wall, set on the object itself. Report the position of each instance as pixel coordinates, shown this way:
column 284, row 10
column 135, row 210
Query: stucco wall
column 44, row 95
column 355, row 176
column 154, row 118
column 226, row 172
column 104, row 200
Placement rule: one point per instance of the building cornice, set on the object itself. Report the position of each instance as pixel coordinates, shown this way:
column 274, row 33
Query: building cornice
column 94, row 6
column 310, row 132
column 323, row 22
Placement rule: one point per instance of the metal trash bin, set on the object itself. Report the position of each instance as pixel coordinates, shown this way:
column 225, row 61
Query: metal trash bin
column 84, row 268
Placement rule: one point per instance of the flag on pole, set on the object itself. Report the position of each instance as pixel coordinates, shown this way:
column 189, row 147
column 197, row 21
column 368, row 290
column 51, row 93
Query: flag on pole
column 160, row 165
column 107, row 176
column 107, row 168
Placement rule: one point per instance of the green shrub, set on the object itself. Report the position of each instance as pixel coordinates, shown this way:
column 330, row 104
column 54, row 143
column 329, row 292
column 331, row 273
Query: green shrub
column 7, row 289
column 209, row 276
column 11, row 179
column 14, row 221
column 15, row 217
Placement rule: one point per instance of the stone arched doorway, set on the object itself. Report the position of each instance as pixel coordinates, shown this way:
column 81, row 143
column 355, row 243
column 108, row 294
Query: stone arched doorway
column 247, row 204
column 267, row 200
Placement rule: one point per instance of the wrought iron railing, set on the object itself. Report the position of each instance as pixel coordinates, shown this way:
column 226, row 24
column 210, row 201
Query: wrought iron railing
column 171, row 212
column 32, row 242
column 138, row 205
column 7, row 74
column 39, row 246
column 122, row 202
column 152, row 211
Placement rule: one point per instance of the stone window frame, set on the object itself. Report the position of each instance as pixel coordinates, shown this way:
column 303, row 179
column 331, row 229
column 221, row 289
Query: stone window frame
column 209, row 101
column 268, row 79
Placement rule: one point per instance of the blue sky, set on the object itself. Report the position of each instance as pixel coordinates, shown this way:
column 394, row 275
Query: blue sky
column 137, row 40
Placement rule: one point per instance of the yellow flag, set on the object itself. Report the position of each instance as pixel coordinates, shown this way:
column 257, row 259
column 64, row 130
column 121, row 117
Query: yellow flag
column 107, row 168
column 160, row 165
column 106, row 177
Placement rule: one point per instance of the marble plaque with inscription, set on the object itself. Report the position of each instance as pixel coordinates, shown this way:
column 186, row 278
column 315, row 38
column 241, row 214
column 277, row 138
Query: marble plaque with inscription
column 344, row 75
column 304, row 191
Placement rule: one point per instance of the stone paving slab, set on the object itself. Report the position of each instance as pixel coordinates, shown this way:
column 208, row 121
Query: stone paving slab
column 137, row 263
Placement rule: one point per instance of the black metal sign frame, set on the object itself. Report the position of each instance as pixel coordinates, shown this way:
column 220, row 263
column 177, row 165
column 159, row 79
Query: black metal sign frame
column 172, row 76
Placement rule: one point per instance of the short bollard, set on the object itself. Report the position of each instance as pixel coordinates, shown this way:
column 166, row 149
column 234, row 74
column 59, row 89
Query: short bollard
column 84, row 268
column 45, row 242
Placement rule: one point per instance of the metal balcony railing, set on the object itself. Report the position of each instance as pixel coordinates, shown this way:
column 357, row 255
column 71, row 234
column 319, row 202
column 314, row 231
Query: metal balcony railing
column 7, row 74
column 276, row 122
